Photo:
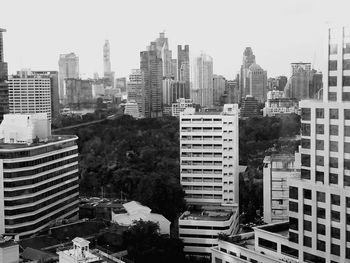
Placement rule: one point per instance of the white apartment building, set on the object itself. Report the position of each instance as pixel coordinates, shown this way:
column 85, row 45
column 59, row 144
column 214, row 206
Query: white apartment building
column 180, row 105
column 209, row 176
column 277, row 169
column 29, row 93
column 38, row 175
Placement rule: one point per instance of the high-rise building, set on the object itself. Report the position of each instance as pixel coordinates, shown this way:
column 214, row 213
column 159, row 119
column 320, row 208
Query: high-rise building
column 4, row 100
column 30, row 93
column 249, row 107
column 179, row 89
column 219, row 84
column 257, row 79
column 135, row 89
column 120, row 83
column 316, row 85
column 39, row 175
column 68, row 68
column 201, row 91
column 297, row 86
column 79, row 93
column 248, row 60
column 281, row 82
column 209, row 175
column 231, row 94
column 106, row 60
column 183, row 63
column 151, row 67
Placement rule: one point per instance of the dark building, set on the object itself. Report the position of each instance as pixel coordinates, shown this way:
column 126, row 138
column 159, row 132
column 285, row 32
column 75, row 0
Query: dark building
column 281, row 82
column 249, row 107
column 55, row 99
column 231, row 94
column 79, row 93
column 179, row 89
column 152, row 70
column 4, row 100
column 316, row 85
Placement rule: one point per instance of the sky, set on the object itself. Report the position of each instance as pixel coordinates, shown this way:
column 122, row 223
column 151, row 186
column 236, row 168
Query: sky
column 279, row 31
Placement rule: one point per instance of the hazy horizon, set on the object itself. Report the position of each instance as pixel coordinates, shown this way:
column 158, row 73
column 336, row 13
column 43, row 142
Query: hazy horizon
column 278, row 32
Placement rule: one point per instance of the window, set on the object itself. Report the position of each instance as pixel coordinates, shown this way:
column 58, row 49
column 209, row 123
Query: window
column 307, row 225
column 305, row 129
column 347, row 114
column 321, row 245
column 346, row 80
column 335, row 199
column 293, row 206
column 319, row 160
column 333, row 178
column 305, row 160
column 319, row 113
column 305, row 143
column 321, row 212
column 348, row 202
column 333, row 49
column 307, row 194
column 335, row 216
column 321, row 197
column 267, row 244
column 346, row 180
column 332, row 96
column 307, row 209
column 320, row 145
column 293, row 223
column 293, row 237
column 332, row 65
column 332, row 81
column 346, row 64
column 306, row 114
column 319, row 176
column 333, row 113
column 333, row 146
column 333, row 162
column 307, row 241
column 333, row 129
column 346, row 48
column 346, row 164
column 321, row 229
column 335, row 249
column 346, row 96
column 319, row 128
column 289, row 251
column 347, row 147
column 305, row 174
column 312, row 258
column 293, row 192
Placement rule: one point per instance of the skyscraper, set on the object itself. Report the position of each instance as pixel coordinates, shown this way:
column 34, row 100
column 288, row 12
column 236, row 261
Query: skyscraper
column 202, row 80
column 151, row 67
column 30, row 93
column 183, row 63
column 248, row 60
column 68, row 68
column 219, row 83
column 4, row 101
column 106, row 60
column 298, row 84
column 257, row 82
column 135, row 89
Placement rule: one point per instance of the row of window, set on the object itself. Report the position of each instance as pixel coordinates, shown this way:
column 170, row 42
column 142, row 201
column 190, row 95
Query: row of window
column 204, row 227
column 333, row 64
column 333, row 177
column 333, row 130
column 333, row 113
column 333, row 145
column 332, row 81
column 321, row 196
column 333, row 161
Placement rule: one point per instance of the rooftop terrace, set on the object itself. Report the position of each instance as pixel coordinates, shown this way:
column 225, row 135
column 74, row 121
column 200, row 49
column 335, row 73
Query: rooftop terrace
column 208, row 215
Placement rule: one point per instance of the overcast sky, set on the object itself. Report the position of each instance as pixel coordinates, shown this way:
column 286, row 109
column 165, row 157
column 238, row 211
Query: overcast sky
column 279, row 31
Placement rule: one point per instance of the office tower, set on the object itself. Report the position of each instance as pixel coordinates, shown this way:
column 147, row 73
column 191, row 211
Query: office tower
column 277, row 169
column 201, row 91
column 209, row 176
column 151, row 67
column 68, row 68
column 39, row 175
column 55, row 99
column 276, row 104
column 135, row 89
column 248, row 60
column 179, row 106
column 120, row 83
column 281, row 82
column 219, row 84
column 271, row 84
column 179, row 89
column 106, row 60
column 183, row 64
column 4, row 100
column 79, row 93
column 249, row 107
column 316, row 84
column 298, row 84
column 30, row 93
column 231, row 94
column 257, row 79
column 174, row 74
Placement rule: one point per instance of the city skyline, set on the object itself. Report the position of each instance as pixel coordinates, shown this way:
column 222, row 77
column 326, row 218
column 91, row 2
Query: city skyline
column 278, row 36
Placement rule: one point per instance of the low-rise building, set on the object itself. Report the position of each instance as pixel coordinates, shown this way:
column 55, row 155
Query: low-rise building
column 277, row 104
column 180, row 105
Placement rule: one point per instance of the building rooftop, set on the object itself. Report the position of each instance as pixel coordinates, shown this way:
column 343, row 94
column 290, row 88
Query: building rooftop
column 279, row 158
column 208, row 215
column 51, row 139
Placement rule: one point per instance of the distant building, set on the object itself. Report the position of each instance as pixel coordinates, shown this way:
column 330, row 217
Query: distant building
column 135, row 212
column 135, row 89
column 297, row 86
column 4, row 100
column 219, row 84
column 79, row 92
column 30, row 92
column 201, row 91
column 281, row 82
column 277, row 169
column 183, row 66
column 120, row 83
column 68, row 68
column 316, row 85
column 231, row 94
column 249, row 107
column 132, row 109
column 106, row 60
column 257, row 79
column 180, row 105
column 248, row 60
column 277, row 104
column 45, row 169
column 209, row 176
column 179, row 89
column 98, row 89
